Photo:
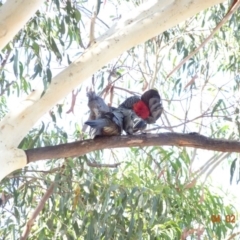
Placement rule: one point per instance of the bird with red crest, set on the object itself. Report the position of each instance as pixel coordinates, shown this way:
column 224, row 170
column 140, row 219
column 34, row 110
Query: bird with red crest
column 148, row 106
column 110, row 121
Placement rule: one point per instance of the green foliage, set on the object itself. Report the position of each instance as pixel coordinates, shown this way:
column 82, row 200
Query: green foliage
column 132, row 202
column 154, row 193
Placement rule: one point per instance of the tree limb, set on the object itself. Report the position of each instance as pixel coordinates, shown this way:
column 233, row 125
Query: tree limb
column 163, row 139
column 234, row 7
column 37, row 211
column 13, row 16
column 145, row 22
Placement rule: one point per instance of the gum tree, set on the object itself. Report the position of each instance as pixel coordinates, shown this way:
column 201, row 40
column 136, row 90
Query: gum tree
column 191, row 57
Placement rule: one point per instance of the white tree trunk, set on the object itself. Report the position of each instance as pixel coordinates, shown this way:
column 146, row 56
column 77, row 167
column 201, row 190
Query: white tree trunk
column 145, row 22
column 14, row 14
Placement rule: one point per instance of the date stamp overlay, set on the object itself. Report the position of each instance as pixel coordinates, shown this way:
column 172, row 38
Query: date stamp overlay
column 216, row 218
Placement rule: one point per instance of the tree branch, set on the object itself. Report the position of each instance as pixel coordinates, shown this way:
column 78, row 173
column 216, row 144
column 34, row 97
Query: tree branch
column 13, row 16
column 145, row 22
column 232, row 9
column 101, row 165
column 37, row 211
column 163, row 139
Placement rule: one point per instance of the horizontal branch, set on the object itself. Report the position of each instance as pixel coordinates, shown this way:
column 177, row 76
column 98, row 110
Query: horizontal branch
column 163, row 139
column 142, row 23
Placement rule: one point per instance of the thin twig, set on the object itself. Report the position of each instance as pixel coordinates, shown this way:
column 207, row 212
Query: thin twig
column 101, row 165
column 3, row 63
column 90, row 13
column 74, row 97
column 215, row 166
column 92, row 24
column 37, row 211
column 233, row 235
column 224, row 20
column 8, row 85
column 126, row 90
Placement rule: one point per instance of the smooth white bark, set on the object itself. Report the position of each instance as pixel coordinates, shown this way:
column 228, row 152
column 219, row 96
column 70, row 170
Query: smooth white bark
column 11, row 160
column 145, row 22
column 14, row 14
column 21, row 116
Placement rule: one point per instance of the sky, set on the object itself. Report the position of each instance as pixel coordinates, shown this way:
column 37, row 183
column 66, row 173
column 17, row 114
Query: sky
column 220, row 177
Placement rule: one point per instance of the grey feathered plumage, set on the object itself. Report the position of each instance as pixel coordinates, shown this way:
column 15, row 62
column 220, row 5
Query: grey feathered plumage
column 110, row 121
